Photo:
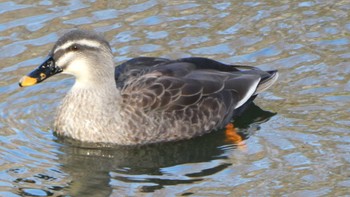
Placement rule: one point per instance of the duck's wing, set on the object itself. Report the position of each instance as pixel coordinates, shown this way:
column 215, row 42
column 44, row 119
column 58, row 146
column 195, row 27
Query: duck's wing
column 190, row 87
column 135, row 67
column 267, row 77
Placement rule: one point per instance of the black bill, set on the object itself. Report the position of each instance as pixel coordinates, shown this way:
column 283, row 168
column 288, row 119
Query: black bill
column 44, row 71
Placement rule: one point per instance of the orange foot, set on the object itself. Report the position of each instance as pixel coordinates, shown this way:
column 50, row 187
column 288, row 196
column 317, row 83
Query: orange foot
column 233, row 137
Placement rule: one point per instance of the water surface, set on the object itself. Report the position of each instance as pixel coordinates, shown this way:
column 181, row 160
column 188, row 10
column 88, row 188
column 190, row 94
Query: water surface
column 297, row 142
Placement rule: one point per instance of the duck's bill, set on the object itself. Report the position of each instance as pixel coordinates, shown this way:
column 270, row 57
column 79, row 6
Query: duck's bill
column 44, row 71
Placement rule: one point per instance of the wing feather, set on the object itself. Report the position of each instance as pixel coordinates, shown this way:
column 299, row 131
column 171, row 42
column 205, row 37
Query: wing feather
column 187, row 88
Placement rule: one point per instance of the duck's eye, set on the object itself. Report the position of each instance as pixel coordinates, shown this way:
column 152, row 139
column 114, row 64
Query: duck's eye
column 74, row 48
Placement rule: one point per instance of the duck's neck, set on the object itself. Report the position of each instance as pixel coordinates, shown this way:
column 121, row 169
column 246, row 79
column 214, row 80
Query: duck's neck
column 87, row 110
column 97, row 96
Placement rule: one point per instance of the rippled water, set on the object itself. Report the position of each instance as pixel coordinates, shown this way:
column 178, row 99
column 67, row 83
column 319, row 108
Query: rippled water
column 303, row 150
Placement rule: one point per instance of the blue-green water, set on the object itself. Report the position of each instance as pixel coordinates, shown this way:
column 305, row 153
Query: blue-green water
column 302, row 150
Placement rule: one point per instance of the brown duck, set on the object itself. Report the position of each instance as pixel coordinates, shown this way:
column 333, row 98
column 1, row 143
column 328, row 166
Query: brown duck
column 146, row 99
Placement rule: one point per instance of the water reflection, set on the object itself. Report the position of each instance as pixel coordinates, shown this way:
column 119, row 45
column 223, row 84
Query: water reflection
column 148, row 168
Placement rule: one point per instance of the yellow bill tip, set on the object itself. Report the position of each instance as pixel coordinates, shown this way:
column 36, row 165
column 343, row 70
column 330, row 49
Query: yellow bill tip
column 27, row 81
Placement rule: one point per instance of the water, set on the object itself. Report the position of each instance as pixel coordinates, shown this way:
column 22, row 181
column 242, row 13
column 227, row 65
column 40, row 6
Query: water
column 302, row 150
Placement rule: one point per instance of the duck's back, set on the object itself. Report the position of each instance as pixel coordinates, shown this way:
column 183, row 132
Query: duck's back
column 186, row 97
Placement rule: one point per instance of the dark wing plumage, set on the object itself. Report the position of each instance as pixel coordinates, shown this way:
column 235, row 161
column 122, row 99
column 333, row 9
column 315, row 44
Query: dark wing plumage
column 199, row 88
column 135, row 67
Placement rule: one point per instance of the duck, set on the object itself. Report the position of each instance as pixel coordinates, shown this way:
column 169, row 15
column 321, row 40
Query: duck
column 143, row 100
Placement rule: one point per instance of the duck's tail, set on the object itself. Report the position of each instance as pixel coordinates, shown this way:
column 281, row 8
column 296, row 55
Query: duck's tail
column 267, row 77
column 266, row 81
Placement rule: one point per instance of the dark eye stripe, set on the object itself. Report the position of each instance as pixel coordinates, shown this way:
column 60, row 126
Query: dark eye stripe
column 79, row 47
column 73, row 47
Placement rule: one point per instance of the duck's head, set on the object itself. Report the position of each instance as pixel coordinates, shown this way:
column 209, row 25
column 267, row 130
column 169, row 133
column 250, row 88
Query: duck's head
column 83, row 54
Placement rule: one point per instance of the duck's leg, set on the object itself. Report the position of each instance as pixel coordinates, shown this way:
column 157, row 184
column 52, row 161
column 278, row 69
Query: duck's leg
column 232, row 136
